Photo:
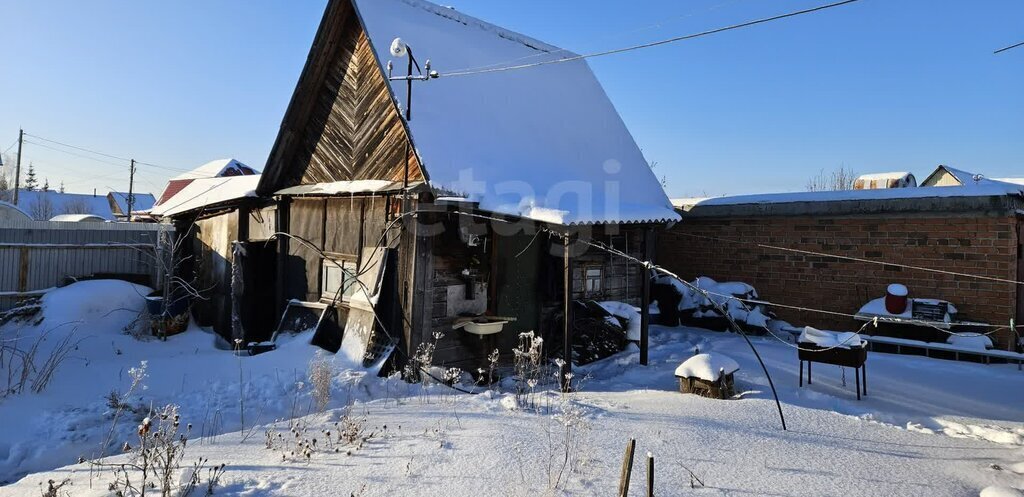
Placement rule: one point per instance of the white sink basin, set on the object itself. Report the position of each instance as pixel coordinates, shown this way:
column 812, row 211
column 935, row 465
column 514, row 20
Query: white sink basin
column 482, row 325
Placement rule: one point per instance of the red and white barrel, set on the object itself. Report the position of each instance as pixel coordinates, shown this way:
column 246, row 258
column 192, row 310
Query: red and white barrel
column 896, row 299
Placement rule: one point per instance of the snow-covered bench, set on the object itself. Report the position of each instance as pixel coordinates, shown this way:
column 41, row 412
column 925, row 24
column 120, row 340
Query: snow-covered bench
column 899, row 343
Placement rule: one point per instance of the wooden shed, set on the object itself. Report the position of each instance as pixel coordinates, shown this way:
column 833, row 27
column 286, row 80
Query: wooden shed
column 223, row 249
column 411, row 202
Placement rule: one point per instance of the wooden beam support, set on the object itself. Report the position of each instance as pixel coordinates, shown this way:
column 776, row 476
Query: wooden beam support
column 282, row 253
column 645, row 300
column 564, row 374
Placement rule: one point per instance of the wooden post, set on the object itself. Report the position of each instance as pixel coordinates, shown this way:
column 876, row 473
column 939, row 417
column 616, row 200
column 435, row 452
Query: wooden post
column 645, row 300
column 567, row 329
column 17, row 166
column 650, row 475
column 283, row 208
column 130, row 201
column 627, row 468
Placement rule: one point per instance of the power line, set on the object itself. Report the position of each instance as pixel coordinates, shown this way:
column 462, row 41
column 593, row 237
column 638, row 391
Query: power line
column 15, row 142
column 743, row 302
column 656, row 25
column 78, row 148
column 83, row 149
column 856, row 259
column 1009, row 47
column 651, row 44
column 76, row 154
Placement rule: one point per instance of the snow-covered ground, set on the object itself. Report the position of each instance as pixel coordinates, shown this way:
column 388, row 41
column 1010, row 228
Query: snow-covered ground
column 927, row 427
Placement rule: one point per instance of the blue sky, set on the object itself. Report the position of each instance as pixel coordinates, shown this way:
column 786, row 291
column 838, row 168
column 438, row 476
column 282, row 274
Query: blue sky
column 874, row 86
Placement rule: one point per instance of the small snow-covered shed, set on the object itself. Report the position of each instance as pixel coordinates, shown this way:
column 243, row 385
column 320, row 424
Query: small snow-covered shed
column 212, row 215
column 708, row 375
column 490, row 164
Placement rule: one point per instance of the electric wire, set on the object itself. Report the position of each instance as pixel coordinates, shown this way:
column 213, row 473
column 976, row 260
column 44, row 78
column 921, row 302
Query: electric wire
column 78, row 148
column 856, row 259
column 543, row 53
column 1015, row 45
column 12, row 146
column 110, row 156
column 881, row 319
column 365, row 291
column 102, row 161
column 649, row 44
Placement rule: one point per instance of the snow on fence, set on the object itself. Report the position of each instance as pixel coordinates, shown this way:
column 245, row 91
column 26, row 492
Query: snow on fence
column 39, row 255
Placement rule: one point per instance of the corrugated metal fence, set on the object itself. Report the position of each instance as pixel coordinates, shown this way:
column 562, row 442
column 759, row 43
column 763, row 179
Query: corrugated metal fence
column 38, row 255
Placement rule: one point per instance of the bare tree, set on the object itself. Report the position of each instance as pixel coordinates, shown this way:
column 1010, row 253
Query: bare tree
column 7, row 178
column 838, row 179
column 41, row 209
column 76, row 206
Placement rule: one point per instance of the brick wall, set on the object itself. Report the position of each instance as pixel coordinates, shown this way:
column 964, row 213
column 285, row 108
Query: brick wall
column 968, row 244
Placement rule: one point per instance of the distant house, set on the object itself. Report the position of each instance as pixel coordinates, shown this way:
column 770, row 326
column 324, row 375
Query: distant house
column 403, row 227
column 950, row 176
column 119, row 203
column 884, row 180
column 213, row 169
column 43, row 205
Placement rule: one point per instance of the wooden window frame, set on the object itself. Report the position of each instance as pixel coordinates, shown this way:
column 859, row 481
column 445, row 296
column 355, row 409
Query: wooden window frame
column 587, row 292
column 331, row 260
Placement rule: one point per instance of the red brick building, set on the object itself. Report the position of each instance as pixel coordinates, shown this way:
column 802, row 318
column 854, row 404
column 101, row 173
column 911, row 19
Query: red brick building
column 974, row 230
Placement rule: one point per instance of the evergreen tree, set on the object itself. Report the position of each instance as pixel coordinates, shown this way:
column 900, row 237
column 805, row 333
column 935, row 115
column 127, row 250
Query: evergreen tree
column 61, row 187
column 46, row 185
column 30, row 178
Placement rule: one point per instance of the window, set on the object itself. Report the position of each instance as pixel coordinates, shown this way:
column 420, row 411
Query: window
column 593, row 277
column 339, row 278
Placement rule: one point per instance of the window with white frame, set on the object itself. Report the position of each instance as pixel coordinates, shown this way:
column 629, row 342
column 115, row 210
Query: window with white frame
column 339, row 275
column 593, row 279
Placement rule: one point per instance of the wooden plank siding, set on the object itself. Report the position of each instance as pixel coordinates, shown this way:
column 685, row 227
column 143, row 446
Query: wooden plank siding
column 343, row 123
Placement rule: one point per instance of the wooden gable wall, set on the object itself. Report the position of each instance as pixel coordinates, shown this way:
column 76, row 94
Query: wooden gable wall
column 342, row 123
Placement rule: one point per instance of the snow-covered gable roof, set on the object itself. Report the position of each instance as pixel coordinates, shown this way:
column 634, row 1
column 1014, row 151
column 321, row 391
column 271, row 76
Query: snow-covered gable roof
column 213, row 169
column 44, row 205
column 218, row 168
column 542, row 143
column 143, row 201
column 958, row 176
column 208, row 192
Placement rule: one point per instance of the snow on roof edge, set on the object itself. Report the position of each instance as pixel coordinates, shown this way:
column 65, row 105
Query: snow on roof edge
column 982, row 190
column 207, row 192
column 451, row 13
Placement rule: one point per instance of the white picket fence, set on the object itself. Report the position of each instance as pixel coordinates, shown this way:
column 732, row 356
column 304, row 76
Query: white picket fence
column 39, row 255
